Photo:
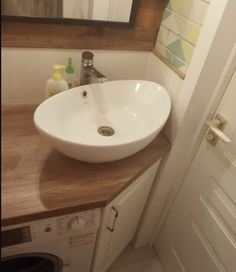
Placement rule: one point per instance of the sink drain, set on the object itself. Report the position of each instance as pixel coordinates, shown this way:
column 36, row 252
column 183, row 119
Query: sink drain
column 106, row 131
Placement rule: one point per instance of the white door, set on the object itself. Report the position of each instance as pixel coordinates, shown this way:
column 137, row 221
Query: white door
column 199, row 234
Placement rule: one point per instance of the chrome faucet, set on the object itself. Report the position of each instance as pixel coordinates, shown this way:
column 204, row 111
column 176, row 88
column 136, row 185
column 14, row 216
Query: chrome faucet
column 88, row 71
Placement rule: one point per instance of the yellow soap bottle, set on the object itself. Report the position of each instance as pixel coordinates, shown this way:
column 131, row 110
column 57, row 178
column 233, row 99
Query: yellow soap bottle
column 56, row 83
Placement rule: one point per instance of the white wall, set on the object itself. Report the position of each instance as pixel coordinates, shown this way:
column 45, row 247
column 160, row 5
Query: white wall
column 25, row 71
column 158, row 72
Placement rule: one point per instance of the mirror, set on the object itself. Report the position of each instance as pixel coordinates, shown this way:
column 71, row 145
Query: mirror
column 105, row 12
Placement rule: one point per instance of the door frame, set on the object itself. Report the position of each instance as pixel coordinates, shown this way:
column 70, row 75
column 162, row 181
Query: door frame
column 202, row 103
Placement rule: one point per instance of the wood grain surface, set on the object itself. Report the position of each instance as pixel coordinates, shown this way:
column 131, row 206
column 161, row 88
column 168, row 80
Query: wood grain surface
column 142, row 37
column 39, row 182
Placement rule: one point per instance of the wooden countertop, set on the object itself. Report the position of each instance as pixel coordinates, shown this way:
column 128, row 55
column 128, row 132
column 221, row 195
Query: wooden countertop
column 39, row 182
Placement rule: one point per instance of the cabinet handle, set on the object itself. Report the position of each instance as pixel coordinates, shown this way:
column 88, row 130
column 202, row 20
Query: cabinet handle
column 114, row 221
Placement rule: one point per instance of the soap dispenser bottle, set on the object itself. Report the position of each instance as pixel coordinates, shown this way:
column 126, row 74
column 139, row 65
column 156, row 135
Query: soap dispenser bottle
column 70, row 76
column 56, row 84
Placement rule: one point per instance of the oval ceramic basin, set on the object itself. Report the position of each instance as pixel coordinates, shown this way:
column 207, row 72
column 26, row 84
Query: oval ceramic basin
column 103, row 122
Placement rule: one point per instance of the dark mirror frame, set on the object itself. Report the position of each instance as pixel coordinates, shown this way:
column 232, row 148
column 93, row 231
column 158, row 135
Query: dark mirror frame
column 83, row 22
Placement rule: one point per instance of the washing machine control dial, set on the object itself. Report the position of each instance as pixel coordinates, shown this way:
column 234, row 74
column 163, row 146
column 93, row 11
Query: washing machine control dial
column 76, row 223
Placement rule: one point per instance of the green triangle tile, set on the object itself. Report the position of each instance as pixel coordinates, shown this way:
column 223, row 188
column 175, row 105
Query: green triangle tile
column 177, row 63
column 177, row 49
column 166, row 14
column 169, row 57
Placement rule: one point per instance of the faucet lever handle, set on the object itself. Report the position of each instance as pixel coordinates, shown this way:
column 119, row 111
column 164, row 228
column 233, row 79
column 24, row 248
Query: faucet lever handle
column 87, row 55
column 87, row 59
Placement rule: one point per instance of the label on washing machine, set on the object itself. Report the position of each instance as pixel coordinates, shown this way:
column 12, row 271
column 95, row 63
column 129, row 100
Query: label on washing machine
column 78, row 222
column 81, row 239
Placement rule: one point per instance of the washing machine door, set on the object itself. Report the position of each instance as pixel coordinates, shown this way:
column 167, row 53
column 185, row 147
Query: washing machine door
column 31, row 262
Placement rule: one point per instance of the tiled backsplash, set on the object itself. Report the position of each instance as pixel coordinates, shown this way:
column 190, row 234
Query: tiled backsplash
column 179, row 31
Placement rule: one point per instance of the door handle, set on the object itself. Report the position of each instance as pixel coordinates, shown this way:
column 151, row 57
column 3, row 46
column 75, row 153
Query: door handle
column 215, row 130
column 218, row 133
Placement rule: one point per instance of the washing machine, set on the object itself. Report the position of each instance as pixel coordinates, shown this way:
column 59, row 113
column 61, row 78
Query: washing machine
column 58, row 244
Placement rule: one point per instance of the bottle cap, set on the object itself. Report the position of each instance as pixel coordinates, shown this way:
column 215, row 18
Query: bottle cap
column 69, row 67
column 57, row 74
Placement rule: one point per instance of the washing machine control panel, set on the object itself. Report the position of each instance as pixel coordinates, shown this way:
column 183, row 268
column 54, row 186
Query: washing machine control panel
column 78, row 222
column 16, row 236
column 51, row 229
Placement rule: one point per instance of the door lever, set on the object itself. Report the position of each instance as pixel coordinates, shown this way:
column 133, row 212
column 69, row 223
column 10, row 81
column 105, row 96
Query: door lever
column 215, row 130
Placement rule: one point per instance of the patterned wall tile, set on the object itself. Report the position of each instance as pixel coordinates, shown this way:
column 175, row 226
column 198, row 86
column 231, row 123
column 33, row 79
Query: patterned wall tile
column 170, row 57
column 194, row 10
column 186, row 29
column 175, row 46
column 182, row 27
column 161, row 49
column 166, row 14
column 169, row 22
column 188, row 50
column 179, row 31
column 163, row 35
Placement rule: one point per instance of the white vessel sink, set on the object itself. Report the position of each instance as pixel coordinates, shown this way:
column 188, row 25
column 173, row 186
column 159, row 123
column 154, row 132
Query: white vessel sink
column 134, row 110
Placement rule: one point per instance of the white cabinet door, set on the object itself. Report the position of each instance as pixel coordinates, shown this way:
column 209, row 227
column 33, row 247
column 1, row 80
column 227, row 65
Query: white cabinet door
column 120, row 219
column 200, row 231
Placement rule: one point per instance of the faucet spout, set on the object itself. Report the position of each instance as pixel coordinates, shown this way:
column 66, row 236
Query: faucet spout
column 88, row 71
column 96, row 74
